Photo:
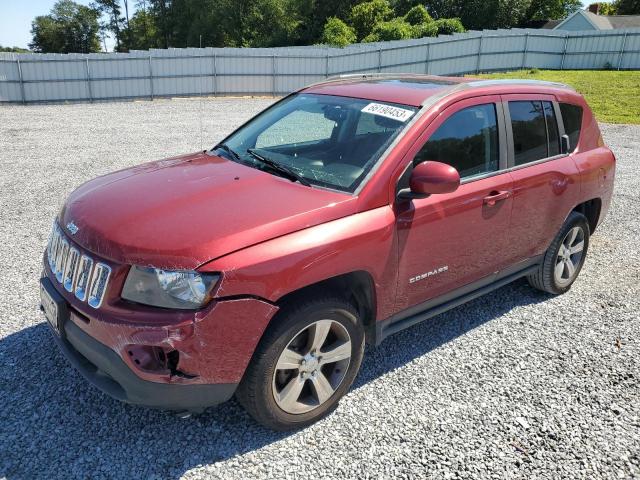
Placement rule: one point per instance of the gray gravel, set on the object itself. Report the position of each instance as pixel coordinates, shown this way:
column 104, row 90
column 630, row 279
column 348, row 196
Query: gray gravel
column 515, row 384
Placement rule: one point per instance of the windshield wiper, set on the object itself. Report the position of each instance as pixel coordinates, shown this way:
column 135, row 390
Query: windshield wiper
column 229, row 150
column 278, row 167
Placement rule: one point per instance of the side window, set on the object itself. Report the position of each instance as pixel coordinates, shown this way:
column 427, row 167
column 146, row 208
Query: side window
column 529, row 131
column 467, row 140
column 572, row 118
column 552, row 129
column 290, row 129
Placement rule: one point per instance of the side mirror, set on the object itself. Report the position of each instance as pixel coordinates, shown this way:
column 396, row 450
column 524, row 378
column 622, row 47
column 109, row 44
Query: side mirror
column 431, row 177
column 565, row 144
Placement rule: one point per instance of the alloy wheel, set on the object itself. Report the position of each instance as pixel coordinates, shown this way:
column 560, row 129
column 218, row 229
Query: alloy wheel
column 312, row 366
column 569, row 256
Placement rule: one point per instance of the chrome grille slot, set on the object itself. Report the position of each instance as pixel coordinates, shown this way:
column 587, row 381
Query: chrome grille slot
column 98, row 286
column 78, row 273
column 84, row 275
column 61, row 259
column 70, row 270
column 55, row 241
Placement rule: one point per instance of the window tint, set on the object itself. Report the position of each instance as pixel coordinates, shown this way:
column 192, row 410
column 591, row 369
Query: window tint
column 552, row 129
column 468, row 141
column 529, row 131
column 572, row 118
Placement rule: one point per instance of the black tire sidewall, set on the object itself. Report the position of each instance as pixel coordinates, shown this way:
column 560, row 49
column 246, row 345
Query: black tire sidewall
column 575, row 220
column 289, row 324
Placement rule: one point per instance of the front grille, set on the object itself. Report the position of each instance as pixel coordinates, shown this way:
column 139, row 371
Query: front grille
column 77, row 272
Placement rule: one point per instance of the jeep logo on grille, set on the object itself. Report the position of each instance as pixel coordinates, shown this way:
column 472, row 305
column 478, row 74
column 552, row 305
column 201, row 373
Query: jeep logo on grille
column 72, row 227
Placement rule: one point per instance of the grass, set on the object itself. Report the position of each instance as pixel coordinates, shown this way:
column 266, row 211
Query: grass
column 614, row 96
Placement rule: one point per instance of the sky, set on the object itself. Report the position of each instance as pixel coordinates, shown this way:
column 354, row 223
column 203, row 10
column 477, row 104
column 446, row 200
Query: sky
column 16, row 17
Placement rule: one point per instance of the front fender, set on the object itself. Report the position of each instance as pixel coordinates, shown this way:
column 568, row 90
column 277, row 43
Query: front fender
column 364, row 241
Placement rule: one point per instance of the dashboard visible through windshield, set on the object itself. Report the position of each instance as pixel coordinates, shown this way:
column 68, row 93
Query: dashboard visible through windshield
column 322, row 140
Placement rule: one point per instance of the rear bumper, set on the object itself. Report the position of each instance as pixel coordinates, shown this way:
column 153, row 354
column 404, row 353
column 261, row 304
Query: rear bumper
column 104, row 369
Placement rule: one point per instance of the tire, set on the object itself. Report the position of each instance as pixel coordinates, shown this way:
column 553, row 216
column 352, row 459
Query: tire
column 555, row 275
column 273, row 379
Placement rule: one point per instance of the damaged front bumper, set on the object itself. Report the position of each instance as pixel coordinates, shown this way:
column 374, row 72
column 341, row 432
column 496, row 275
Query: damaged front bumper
column 174, row 362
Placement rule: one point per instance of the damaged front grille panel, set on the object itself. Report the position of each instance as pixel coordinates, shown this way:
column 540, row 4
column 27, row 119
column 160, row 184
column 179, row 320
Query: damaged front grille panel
column 78, row 273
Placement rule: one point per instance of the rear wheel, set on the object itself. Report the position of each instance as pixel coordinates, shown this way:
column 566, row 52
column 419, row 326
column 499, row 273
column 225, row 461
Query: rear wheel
column 564, row 259
column 305, row 363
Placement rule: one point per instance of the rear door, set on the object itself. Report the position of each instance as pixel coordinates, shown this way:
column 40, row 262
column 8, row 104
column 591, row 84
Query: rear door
column 545, row 181
column 447, row 241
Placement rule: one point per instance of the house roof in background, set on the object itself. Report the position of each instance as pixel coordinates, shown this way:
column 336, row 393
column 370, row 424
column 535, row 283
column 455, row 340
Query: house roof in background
column 624, row 21
column 601, row 22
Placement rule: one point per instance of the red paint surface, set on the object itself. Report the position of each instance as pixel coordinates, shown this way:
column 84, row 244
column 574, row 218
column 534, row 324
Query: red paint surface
column 269, row 237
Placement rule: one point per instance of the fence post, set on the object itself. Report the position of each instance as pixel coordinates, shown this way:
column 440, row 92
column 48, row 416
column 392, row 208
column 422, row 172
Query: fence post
column 151, row 77
column 624, row 42
column 379, row 59
column 524, row 54
column 88, row 71
column 326, row 65
column 479, row 55
column 24, row 100
column 564, row 51
column 215, row 74
column 273, row 73
column 427, row 59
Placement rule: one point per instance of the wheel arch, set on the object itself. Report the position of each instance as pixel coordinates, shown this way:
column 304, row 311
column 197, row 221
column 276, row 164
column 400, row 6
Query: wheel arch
column 591, row 210
column 356, row 287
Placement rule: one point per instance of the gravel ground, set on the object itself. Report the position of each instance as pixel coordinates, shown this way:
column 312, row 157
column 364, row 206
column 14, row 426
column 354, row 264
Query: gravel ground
column 513, row 385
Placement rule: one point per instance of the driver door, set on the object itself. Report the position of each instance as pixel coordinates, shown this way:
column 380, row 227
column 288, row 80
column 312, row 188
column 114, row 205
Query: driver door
column 451, row 241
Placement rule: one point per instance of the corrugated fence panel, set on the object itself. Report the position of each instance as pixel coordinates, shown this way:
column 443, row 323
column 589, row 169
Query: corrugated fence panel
column 545, row 51
column 500, row 52
column 631, row 54
column 10, row 90
column 579, row 48
column 366, row 61
column 275, row 71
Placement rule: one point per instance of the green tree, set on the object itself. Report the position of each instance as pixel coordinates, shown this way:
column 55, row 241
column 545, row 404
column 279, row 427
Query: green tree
column 111, row 8
column 367, row 15
column 627, row 7
column 257, row 23
column 447, row 26
column 551, row 9
column 427, row 29
column 192, row 20
column 396, row 29
column 312, row 15
column 13, row 49
column 607, row 8
column 418, row 15
column 338, row 33
column 69, row 28
column 142, row 32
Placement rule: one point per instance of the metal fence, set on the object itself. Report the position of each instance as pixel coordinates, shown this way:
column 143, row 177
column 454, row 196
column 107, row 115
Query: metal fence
column 29, row 78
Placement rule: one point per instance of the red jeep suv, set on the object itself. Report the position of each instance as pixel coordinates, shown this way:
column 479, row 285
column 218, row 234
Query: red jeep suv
column 345, row 212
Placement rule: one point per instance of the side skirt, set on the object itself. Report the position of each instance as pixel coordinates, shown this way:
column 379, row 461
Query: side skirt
column 423, row 311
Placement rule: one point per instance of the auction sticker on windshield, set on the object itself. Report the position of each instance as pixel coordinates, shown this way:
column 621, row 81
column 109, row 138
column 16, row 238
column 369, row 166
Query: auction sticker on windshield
column 396, row 113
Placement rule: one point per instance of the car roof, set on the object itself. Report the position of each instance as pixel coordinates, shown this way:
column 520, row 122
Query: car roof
column 416, row 89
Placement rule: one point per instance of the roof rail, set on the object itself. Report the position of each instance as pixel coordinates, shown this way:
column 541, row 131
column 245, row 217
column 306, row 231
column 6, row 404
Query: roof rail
column 515, row 81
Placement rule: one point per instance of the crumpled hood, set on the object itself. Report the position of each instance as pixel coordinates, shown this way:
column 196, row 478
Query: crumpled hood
column 182, row 212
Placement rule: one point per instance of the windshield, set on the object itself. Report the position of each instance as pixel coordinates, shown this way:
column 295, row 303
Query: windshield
column 326, row 140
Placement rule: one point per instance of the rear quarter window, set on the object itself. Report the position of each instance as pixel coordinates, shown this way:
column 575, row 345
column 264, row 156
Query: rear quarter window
column 572, row 118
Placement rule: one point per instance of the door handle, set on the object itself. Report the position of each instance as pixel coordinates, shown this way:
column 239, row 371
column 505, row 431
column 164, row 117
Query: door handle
column 496, row 196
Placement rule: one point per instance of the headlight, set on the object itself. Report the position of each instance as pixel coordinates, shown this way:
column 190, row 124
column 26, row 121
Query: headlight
column 169, row 289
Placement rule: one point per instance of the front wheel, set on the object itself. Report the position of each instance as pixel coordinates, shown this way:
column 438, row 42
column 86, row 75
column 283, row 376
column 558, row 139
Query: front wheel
column 304, row 364
column 564, row 259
